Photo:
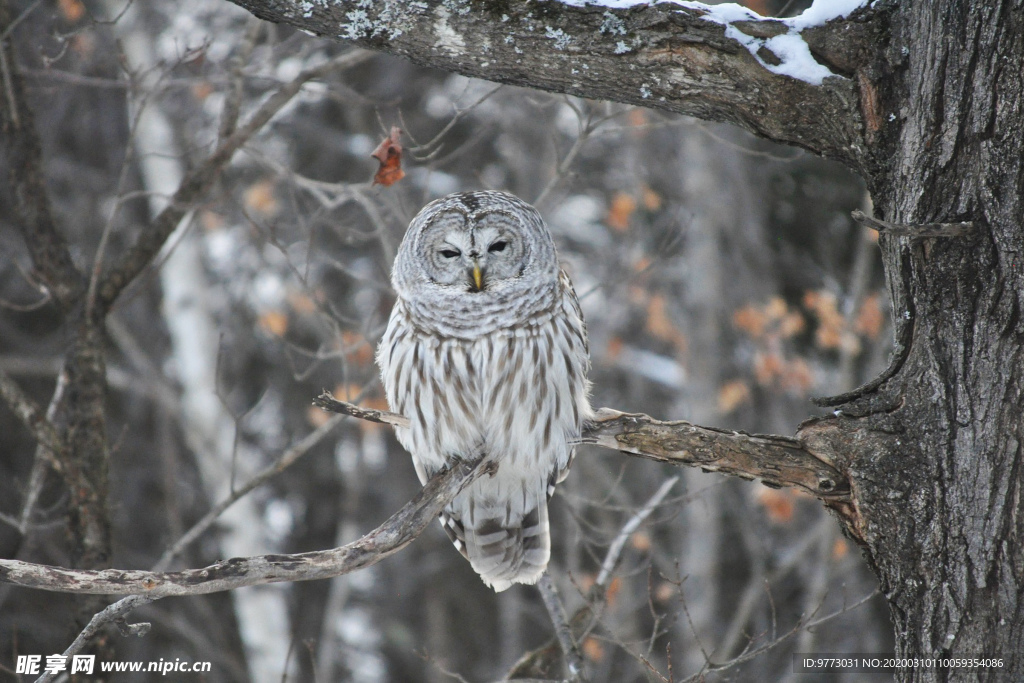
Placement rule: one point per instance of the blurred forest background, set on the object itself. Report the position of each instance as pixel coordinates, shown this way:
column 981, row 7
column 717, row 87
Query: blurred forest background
column 722, row 280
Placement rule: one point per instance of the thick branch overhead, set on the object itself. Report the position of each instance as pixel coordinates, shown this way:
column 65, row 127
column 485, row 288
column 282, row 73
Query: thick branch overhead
column 685, row 59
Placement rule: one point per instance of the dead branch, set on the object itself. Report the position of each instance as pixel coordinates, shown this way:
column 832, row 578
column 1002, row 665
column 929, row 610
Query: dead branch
column 397, row 532
column 775, row 460
column 913, row 230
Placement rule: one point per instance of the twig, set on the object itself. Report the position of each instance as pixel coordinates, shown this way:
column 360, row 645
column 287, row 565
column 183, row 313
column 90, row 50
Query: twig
column 282, row 463
column 776, row 460
column 34, row 420
column 114, row 613
column 38, row 474
column 327, row 402
column 573, row 658
column 197, row 181
column 912, row 229
column 615, row 549
column 394, row 534
column 46, row 243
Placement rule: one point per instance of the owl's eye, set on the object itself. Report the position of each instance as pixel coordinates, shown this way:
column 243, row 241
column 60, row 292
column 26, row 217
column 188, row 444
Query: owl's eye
column 497, row 246
column 450, row 253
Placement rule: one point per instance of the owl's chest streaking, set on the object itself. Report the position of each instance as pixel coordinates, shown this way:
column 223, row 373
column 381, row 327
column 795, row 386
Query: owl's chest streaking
column 518, row 394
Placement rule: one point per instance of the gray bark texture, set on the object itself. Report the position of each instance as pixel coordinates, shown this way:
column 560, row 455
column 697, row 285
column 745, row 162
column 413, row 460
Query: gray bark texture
column 927, row 106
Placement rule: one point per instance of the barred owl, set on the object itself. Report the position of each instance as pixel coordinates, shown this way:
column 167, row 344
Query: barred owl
column 486, row 354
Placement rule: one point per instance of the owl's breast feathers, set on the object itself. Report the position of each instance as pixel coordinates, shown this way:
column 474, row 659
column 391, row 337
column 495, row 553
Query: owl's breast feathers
column 517, row 394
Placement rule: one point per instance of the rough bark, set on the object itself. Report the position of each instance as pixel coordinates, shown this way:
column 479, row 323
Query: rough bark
column 929, row 111
column 657, row 55
column 938, row 475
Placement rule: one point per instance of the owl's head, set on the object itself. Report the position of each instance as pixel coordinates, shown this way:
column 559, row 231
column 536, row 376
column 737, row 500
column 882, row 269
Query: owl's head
column 482, row 245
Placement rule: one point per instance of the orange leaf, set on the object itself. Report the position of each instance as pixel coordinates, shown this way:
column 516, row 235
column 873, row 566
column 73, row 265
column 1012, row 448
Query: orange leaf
column 260, row 198
column 652, row 200
column 357, row 348
column 641, row 541
column 776, row 308
column 869, row 318
column 71, row 10
column 202, row 90
column 317, row 417
column 613, row 350
column 777, row 503
column 613, row 590
column 637, row 117
column 274, row 322
column 664, row 592
column 623, row 206
column 767, row 366
column 797, row 376
column 301, row 303
column 732, row 394
column 389, row 154
column 751, row 320
column 792, row 324
column 210, row 221
column 593, row 649
column 839, row 549
column 660, row 325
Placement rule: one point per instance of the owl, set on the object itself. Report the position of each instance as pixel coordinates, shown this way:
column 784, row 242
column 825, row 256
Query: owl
column 486, row 354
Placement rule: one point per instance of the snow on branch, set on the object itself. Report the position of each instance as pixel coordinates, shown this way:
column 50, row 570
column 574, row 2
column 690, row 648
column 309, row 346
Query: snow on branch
column 788, row 80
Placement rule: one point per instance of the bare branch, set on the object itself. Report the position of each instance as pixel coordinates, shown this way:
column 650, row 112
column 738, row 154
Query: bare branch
column 47, row 245
column 287, row 459
column 615, row 549
column 34, row 420
column 689, row 60
column 327, row 402
column 397, row 532
column 563, row 631
column 775, row 460
column 195, row 184
column 115, row 614
column 911, row 230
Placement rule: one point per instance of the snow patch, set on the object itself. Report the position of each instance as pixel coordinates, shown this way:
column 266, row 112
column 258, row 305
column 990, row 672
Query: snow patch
column 796, row 60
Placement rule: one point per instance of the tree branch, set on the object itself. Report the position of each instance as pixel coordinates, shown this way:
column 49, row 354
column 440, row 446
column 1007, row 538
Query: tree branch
column 195, row 184
column 47, row 245
column 686, row 58
column 390, row 537
column 912, row 230
column 775, row 460
column 35, row 421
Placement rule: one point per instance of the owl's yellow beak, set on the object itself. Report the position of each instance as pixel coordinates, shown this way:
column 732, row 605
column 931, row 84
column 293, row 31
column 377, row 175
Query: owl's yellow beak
column 478, row 276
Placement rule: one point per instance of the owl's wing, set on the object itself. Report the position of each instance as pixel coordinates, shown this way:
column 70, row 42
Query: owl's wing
column 577, row 347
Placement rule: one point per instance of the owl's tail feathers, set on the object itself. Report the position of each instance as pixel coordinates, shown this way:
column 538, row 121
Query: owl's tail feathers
column 504, row 546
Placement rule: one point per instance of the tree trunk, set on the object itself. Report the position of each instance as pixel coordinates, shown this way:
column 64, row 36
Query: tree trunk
column 934, row 453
